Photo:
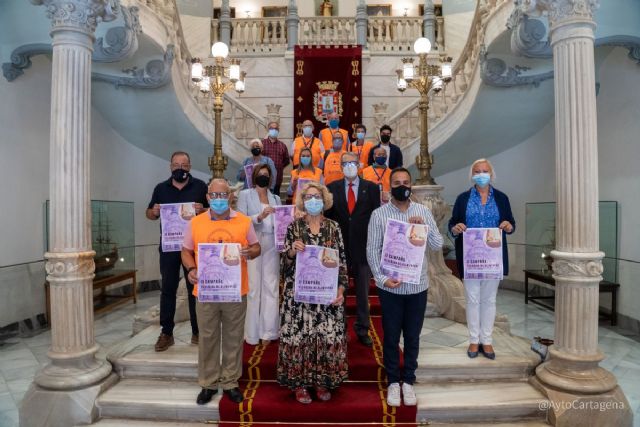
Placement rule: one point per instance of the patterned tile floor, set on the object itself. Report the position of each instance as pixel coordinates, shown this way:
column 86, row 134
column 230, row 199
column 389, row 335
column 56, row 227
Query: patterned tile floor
column 20, row 358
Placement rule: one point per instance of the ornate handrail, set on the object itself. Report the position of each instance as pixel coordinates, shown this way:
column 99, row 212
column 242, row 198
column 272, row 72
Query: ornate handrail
column 263, row 35
column 327, row 30
column 392, row 33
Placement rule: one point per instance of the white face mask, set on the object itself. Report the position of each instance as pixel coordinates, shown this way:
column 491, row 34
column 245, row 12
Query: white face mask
column 350, row 170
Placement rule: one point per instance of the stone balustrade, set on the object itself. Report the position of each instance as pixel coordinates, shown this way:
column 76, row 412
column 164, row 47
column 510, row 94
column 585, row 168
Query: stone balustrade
column 261, row 35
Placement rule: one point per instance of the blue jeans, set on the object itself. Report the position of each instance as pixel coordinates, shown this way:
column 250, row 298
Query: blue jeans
column 401, row 314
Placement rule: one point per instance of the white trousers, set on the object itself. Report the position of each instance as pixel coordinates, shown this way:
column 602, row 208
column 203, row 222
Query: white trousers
column 481, row 309
column 263, row 315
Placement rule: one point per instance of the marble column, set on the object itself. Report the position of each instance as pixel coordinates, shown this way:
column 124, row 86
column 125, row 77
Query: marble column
column 571, row 378
column 292, row 22
column 362, row 22
column 225, row 23
column 64, row 391
column 429, row 21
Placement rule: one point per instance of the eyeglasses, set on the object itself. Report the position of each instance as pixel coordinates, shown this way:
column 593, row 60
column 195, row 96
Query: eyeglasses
column 353, row 163
column 181, row 165
column 220, row 195
column 312, row 196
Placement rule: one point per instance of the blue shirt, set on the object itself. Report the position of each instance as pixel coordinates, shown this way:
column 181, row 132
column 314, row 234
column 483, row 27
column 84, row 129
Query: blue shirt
column 479, row 215
column 263, row 161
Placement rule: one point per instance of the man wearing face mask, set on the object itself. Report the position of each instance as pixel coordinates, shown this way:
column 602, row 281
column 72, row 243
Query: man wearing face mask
column 256, row 158
column 379, row 173
column 180, row 188
column 221, row 323
column 354, row 200
column 361, row 147
column 394, row 154
column 403, row 304
column 307, row 140
column 333, row 126
column 277, row 151
column 331, row 163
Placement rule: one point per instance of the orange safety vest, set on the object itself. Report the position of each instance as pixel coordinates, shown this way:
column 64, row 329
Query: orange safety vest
column 232, row 230
column 305, row 174
column 326, row 135
column 379, row 176
column 362, row 152
column 316, row 146
column 332, row 166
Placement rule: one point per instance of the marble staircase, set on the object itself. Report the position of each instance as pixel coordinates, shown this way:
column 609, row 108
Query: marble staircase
column 161, row 387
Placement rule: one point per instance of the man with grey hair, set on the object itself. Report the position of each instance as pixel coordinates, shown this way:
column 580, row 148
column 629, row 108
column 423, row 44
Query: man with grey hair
column 277, row 151
column 354, row 200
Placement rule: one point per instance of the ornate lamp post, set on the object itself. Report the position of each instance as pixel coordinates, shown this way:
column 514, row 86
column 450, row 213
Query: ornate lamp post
column 425, row 78
column 211, row 78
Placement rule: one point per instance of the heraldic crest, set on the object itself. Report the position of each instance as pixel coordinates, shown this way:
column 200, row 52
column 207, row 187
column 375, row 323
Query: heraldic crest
column 327, row 100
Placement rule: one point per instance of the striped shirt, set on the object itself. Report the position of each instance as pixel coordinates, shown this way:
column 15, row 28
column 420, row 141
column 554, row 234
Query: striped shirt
column 377, row 226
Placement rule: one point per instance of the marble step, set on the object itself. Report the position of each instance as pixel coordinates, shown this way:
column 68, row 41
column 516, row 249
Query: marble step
column 434, row 365
column 146, row 399
column 484, row 402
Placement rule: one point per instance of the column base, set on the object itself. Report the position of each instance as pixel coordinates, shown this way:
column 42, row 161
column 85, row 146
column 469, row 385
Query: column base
column 42, row 407
column 570, row 409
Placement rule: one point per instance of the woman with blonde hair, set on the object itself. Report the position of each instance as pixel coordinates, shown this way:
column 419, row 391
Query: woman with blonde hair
column 482, row 206
column 313, row 342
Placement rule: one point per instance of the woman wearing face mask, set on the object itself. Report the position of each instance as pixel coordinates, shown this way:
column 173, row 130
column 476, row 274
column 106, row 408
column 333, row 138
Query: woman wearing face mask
column 313, row 341
column 482, row 206
column 262, row 319
column 256, row 158
column 305, row 170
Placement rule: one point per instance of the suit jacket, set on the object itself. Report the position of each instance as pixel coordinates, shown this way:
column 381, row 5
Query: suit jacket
column 395, row 156
column 354, row 227
column 250, row 205
column 459, row 215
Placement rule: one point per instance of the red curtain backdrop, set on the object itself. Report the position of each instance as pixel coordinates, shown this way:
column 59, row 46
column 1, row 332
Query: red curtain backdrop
column 327, row 78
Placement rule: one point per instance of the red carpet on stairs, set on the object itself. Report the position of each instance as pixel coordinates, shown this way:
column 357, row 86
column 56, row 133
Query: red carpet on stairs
column 361, row 399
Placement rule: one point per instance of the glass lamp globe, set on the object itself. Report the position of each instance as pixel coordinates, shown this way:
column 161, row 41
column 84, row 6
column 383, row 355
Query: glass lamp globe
column 219, row 50
column 196, row 71
column 422, row 45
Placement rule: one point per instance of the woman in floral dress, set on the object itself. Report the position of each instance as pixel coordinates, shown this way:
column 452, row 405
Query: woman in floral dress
column 313, row 344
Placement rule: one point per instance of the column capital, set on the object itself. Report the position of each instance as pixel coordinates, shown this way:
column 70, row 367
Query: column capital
column 560, row 11
column 83, row 15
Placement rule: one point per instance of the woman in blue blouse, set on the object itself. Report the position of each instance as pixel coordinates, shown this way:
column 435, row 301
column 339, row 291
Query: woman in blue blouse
column 481, row 207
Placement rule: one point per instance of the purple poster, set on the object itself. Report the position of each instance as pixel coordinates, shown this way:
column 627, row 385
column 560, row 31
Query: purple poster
column 173, row 218
column 302, row 182
column 482, row 251
column 219, row 272
column 283, row 216
column 316, row 279
column 248, row 174
column 403, row 251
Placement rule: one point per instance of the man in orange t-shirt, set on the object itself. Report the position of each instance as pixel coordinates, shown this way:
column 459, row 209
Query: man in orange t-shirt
column 307, row 140
column 361, row 147
column 221, row 324
column 333, row 126
column 332, row 161
column 379, row 173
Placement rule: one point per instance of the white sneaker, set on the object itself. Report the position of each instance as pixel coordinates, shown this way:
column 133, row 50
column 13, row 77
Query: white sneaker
column 409, row 395
column 393, row 394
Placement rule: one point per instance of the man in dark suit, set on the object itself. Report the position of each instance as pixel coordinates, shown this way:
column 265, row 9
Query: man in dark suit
column 354, row 200
column 394, row 155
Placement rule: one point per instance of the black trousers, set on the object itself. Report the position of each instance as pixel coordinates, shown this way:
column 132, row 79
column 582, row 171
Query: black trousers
column 401, row 314
column 170, row 264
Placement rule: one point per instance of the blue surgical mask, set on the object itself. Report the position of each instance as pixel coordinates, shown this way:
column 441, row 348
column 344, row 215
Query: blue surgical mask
column 337, row 144
column 313, row 206
column 481, row 179
column 305, row 161
column 307, row 131
column 219, row 206
column 333, row 123
column 381, row 160
column 350, row 170
column 360, row 135
column 273, row 133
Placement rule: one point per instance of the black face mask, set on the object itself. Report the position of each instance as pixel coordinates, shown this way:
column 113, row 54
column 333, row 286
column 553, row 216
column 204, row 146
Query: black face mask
column 385, row 138
column 256, row 151
column 180, row 175
column 401, row 193
column 262, row 181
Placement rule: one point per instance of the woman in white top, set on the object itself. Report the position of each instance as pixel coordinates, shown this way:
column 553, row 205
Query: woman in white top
column 262, row 320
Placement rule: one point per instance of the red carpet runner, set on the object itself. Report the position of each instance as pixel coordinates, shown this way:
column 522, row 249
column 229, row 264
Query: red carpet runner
column 361, row 399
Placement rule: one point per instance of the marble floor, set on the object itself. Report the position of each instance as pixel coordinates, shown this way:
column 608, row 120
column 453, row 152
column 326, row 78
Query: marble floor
column 20, row 358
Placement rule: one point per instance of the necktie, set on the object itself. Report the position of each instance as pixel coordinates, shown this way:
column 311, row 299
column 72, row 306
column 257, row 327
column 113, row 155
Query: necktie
column 351, row 200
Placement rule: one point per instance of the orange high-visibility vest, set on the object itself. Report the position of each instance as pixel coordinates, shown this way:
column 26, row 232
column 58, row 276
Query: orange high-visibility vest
column 232, row 230
column 362, row 152
column 380, row 176
column 315, row 176
column 326, row 135
column 332, row 167
column 316, row 146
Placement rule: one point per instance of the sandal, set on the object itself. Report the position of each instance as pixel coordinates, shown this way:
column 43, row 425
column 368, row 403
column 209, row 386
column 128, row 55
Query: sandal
column 323, row 393
column 302, row 395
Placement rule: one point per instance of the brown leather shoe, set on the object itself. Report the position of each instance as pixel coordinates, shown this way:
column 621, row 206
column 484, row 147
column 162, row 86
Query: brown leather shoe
column 195, row 339
column 164, row 342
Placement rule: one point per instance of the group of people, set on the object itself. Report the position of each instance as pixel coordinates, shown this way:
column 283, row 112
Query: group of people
column 352, row 189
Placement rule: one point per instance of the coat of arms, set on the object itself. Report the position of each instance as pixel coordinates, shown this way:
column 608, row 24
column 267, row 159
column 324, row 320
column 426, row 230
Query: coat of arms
column 327, row 100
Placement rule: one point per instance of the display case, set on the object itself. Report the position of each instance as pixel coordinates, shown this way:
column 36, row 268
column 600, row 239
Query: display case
column 540, row 233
